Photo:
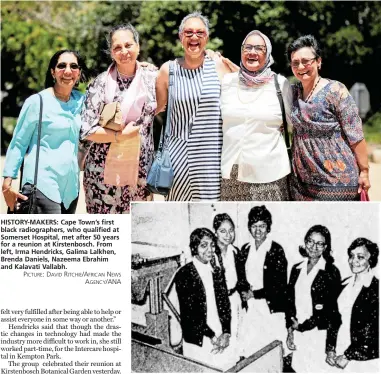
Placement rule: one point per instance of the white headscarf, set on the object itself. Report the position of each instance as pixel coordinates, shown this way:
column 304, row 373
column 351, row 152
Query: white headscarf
column 262, row 76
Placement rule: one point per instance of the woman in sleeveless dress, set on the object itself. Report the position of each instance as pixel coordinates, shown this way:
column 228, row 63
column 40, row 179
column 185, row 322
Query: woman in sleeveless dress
column 196, row 126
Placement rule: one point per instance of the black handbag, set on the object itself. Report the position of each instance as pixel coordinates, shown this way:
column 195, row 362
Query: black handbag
column 285, row 130
column 30, row 190
column 160, row 177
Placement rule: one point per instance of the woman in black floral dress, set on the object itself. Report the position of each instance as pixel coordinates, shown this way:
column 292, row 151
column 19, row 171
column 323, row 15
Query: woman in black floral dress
column 133, row 87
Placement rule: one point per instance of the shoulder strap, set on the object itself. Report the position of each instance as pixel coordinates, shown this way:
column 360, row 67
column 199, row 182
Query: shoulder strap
column 280, row 98
column 166, row 131
column 37, row 151
column 38, row 142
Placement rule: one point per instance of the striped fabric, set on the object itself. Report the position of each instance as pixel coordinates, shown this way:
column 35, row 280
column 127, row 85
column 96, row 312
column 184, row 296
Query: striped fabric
column 196, row 140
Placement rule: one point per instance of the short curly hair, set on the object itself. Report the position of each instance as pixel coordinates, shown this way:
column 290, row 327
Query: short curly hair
column 196, row 236
column 371, row 247
column 259, row 213
column 304, row 41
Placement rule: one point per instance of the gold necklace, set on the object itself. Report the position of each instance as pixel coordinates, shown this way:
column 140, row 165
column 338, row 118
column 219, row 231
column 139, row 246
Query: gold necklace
column 258, row 90
column 312, row 91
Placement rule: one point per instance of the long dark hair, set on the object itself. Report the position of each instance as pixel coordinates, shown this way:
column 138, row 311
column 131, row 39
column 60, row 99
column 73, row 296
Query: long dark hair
column 49, row 82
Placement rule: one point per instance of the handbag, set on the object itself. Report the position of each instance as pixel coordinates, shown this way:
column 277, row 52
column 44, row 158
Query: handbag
column 285, row 129
column 111, row 117
column 364, row 195
column 30, row 190
column 160, row 176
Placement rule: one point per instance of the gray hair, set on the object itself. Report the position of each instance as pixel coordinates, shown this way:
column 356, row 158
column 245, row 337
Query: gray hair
column 194, row 15
column 126, row 26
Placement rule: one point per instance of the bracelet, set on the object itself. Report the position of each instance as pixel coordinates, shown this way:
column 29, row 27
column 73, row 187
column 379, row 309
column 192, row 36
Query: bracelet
column 365, row 169
column 116, row 134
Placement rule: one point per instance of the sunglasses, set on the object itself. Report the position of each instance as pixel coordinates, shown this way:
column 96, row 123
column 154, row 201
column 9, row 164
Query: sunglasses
column 63, row 65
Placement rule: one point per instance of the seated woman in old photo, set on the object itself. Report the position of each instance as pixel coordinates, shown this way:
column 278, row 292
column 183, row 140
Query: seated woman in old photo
column 204, row 302
column 357, row 327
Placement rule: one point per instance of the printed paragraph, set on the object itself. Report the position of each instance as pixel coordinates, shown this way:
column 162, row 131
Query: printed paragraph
column 40, row 248
column 45, row 341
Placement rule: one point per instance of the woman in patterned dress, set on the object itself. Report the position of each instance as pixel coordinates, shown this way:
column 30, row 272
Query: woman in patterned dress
column 196, row 125
column 330, row 160
column 131, row 85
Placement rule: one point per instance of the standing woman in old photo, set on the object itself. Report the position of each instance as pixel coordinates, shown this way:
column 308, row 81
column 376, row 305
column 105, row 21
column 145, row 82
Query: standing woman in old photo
column 133, row 87
column 357, row 322
column 226, row 253
column 204, row 303
column 312, row 294
column 262, row 282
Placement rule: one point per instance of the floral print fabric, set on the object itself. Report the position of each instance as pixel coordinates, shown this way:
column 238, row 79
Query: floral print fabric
column 104, row 198
column 324, row 129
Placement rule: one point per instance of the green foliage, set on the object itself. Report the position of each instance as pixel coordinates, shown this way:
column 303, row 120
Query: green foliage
column 350, row 33
column 372, row 129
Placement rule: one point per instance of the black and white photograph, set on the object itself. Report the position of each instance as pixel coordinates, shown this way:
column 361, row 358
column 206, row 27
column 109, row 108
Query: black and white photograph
column 255, row 287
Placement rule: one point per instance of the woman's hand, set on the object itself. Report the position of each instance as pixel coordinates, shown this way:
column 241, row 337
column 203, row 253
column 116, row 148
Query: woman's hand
column 223, row 340
column 290, row 340
column 11, row 196
column 212, row 54
column 364, row 183
column 231, row 65
column 247, row 295
column 331, row 358
column 341, row 361
column 128, row 131
column 147, row 65
column 295, row 323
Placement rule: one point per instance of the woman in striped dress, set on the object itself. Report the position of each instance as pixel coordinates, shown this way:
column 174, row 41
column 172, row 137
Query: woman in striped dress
column 196, row 126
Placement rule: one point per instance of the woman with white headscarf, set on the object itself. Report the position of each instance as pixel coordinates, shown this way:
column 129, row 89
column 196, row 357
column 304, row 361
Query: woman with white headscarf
column 254, row 160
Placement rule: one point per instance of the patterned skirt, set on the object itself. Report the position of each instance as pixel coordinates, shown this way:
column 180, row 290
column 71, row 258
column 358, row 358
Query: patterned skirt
column 307, row 192
column 104, row 198
column 234, row 190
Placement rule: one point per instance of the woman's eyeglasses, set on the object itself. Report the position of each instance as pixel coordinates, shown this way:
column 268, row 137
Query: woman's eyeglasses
column 199, row 33
column 319, row 245
column 305, row 62
column 247, row 48
column 72, row 66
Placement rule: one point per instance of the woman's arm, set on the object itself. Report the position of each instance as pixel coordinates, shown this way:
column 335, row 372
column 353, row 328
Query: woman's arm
column 162, row 82
column 350, row 121
column 22, row 135
column 361, row 154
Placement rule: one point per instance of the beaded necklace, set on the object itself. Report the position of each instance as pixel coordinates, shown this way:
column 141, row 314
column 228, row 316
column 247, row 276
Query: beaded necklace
column 312, row 91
